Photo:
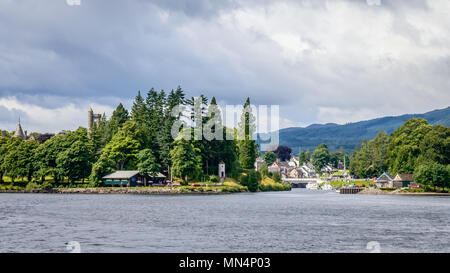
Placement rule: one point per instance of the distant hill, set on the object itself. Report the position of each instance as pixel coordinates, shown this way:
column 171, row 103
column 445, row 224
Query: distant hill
column 351, row 134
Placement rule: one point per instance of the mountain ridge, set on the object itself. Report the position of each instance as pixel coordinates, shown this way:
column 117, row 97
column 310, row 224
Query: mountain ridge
column 349, row 135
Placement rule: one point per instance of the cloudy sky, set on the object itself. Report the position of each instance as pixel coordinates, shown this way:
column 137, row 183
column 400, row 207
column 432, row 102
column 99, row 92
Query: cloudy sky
column 321, row 61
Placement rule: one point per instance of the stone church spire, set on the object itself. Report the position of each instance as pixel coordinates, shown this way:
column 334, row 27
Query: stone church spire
column 19, row 132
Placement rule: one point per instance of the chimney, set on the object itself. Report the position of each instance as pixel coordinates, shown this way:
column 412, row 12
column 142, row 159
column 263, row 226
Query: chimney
column 3, row 133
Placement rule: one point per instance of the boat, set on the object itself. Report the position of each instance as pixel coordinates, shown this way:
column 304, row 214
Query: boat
column 326, row 187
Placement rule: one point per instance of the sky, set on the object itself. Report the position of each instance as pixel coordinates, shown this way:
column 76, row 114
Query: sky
column 321, row 61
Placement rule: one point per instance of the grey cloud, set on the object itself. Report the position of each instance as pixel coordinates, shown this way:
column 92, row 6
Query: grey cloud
column 105, row 51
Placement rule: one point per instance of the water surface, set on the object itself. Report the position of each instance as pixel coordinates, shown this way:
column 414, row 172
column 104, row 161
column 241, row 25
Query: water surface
column 296, row 221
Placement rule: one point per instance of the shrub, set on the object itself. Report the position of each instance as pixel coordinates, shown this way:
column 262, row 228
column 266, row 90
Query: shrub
column 33, row 186
column 269, row 184
column 276, row 177
column 214, row 178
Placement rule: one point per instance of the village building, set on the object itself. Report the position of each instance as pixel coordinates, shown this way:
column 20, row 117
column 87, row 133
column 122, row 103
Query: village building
column 274, row 168
column 132, row 179
column 294, row 173
column 308, row 170
column 293, row 162
column 42, row 137
column 404, row 180
column 384, row 181
column 327, row 169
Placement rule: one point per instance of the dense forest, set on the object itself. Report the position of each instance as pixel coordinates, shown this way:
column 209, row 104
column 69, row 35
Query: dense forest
column 349, row 135
column 139, row 139
column 415, row 148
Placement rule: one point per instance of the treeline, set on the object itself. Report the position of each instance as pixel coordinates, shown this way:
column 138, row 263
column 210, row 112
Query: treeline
column 139, row 139
column 415, row 148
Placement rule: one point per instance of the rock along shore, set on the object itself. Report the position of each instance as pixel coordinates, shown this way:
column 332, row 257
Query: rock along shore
column 148, row 191
column 399, row 192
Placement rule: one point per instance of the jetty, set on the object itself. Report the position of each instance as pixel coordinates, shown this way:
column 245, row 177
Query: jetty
column 350, row 190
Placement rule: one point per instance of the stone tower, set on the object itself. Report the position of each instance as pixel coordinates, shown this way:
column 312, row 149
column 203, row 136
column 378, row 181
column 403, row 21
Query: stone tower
column 222, row 173
column 93, row 119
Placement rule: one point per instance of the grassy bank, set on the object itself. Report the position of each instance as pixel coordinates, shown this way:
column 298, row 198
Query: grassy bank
column 268, row 184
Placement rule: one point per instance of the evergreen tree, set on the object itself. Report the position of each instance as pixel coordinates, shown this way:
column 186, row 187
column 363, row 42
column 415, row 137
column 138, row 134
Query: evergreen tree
column 138, row 111
column 118, row 118
column 320, row 157
column 302, row 158
column 186, row 160
column 247, row 146
column 148, row 163
column 308, row 156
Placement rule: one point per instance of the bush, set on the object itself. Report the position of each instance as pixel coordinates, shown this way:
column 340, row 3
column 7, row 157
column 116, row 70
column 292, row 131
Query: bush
column 269, row 184
column 47, row 185
column 276, row 177
column 214, row 179
column 33, row 186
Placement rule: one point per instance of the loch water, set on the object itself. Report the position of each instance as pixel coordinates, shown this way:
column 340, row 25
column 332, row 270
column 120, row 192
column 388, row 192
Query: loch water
column 297, row 221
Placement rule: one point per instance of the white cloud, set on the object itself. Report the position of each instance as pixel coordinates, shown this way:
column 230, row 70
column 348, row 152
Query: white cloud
column 35, row 118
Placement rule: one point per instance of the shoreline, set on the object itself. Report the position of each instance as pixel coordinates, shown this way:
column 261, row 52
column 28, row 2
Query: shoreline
column 398, row 192
column 137, row 191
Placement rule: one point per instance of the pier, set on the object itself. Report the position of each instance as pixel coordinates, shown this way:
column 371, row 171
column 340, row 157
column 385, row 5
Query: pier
column 350, row 190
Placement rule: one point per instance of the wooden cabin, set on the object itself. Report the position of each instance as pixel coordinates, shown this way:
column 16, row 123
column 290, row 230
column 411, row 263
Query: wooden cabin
column 404, row 180
column 132, row 179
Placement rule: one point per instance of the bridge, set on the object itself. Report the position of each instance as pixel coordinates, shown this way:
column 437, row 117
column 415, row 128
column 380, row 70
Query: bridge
column 301, row 182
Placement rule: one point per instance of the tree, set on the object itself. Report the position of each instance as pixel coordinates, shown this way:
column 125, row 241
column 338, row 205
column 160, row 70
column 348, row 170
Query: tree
column 165, row 140
column 252, row 181
column 404, row 145
column 122, row 150
column 3, row 151
column 269, row 157
column 371, row 159
column 186, row 160
column 320, row 157
column 147, row 163
column 283, row 153
column 45, row 156
column 308, row 156
column 433, row 174
column 302, row 158
column 247, row 146
column 435, row 146
column 18, row 162
column 118, row 118
column 76, row 161
column 139, row 111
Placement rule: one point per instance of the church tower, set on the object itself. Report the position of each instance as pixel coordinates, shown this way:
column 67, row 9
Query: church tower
column 19, row 132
